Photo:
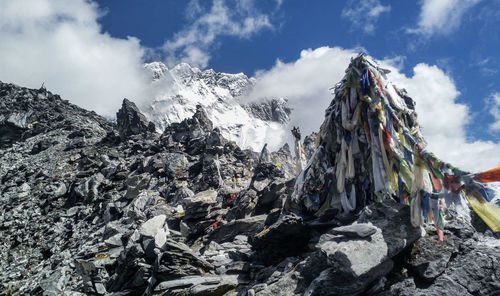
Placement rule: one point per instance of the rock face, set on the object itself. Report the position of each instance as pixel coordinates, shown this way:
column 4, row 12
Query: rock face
column 130, row 121
column 93, row 208
column 273, row 110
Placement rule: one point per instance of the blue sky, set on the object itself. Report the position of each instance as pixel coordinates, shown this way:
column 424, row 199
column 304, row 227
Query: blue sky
column 468, row 51
column 445, row 52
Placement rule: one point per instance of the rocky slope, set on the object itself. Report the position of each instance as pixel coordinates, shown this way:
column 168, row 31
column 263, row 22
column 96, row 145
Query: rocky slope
column 90, row 207
column 177, row 92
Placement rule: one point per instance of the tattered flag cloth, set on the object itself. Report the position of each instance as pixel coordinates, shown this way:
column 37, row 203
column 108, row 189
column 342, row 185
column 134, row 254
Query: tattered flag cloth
column 489, row 176
column 370, row 147
column 489, row 212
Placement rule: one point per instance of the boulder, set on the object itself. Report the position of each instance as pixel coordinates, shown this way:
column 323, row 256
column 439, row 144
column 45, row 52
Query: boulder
column 152, row 226
column 361, row 253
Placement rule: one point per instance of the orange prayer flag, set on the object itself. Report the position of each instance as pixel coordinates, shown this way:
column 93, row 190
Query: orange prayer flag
column 489, row 176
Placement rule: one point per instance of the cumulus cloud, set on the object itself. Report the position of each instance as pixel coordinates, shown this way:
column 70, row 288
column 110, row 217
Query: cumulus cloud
column 365, row 14
column 306, row 82
column 61, row 43
column 194, row 43
column 441, row 16
column 444, row 121
column 494, row 104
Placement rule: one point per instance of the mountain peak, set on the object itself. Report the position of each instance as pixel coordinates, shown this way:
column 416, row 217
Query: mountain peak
column 157, row 70
column 222, row 96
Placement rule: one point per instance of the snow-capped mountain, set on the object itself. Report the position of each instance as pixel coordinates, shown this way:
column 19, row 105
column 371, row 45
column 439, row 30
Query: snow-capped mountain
column 177, row 91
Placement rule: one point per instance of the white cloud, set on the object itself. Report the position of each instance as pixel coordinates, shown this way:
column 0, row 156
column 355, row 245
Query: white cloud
column 441, row 16
column 305, row 83
column 60, row 43
column 194, row 43
column 444, row 121
column 363, row 15
column 494, row 104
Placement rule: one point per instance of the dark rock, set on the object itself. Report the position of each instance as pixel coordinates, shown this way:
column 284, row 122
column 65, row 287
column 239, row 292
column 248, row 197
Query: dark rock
column 274, row 241
column 42, row 145
column 130, row 121
column 189, row 129
column 271, row 197
column 179, row 260
column 11, row 130
column 127, row 262
column 355, row 230
column 430, row 257
column 272, row 217
column 246, row 226
column 200, row 205
column 340, row 281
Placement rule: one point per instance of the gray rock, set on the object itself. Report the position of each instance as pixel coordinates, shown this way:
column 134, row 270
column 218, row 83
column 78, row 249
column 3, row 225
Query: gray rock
column 185, row 230
column 135, row 184
column 359, row 255
column 200, row 205
column 203, row 198
column 175, row 164
column 204, row 284
column 357, row 262
column 100, row 289
column 115, row 240
column 152, row 226
column 161, row 238
column 285, row 286
column 391, row 218
column 181, row 194
column 178, row 260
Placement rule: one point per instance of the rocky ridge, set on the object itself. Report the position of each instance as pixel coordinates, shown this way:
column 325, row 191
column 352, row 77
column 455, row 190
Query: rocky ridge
column 177, row 92
column 94, row 208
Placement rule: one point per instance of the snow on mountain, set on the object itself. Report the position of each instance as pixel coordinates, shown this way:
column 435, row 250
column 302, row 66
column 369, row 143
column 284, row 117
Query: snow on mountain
column 177, row 91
